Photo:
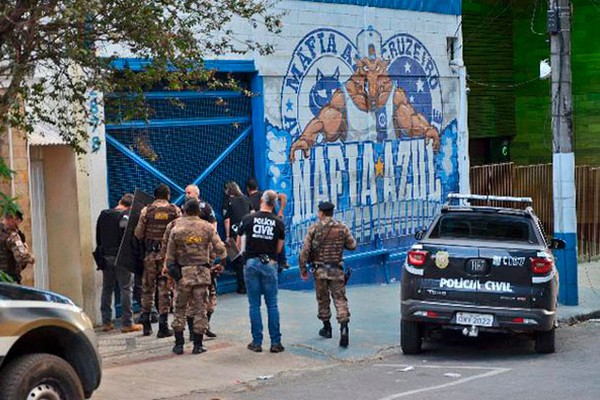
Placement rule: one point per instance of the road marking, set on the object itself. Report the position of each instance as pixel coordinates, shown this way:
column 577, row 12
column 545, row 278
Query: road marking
column 491, row 372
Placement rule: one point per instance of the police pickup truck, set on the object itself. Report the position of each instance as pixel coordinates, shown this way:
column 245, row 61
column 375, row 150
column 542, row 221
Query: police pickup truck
column 480, row 268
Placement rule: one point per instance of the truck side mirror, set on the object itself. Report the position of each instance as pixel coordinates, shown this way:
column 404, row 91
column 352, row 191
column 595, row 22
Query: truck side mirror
column 420, row 234
column 557, row 244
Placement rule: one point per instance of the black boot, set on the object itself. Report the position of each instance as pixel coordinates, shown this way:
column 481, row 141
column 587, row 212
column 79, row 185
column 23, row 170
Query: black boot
column 190, row 322
column 198, row 349
column 325, row 331
column 179, row 342
column 145, row 321
column 344, row 335
column 208, row 332
column 163, row 327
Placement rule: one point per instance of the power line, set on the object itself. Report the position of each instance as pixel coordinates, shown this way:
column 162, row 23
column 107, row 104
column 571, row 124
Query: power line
column 535, row 5
column 484, row 26
column 495, row 85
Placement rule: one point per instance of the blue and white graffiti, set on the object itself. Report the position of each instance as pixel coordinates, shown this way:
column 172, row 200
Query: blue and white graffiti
column 362, row 127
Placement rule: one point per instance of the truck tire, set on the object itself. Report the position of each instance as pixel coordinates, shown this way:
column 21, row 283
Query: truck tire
column 410, row 337
column 544, row 341
column 40, row 375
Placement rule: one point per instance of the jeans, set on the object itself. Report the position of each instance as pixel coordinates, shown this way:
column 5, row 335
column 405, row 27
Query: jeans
column 261, row 279
column 110, row 276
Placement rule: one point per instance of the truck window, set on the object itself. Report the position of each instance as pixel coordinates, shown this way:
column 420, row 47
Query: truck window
column 484, row 227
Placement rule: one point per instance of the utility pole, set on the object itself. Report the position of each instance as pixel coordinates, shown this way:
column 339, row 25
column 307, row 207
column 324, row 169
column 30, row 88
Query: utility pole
column 563, row 158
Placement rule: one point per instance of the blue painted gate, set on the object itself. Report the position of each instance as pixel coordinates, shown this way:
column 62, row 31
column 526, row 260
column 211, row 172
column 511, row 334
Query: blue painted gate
column 202, row 137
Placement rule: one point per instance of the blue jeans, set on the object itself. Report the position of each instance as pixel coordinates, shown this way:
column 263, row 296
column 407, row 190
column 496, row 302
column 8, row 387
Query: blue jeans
column 261, row 279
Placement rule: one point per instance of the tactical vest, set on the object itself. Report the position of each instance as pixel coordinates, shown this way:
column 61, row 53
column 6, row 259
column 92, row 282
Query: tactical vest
column 157, row 219
column 194, row 248
column 8, row 263
column 328, row 243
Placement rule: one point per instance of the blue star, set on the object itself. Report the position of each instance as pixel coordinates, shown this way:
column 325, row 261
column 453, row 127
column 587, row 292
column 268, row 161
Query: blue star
column 289, row 105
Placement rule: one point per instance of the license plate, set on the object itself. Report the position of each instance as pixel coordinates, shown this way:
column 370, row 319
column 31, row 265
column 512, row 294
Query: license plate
column 463, row 318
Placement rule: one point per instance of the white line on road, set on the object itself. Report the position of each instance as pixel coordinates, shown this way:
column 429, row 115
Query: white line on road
column 438, row 366
column 491, row 372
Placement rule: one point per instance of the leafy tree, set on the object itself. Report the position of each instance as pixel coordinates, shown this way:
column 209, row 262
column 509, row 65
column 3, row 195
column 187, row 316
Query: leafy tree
column 53, row 52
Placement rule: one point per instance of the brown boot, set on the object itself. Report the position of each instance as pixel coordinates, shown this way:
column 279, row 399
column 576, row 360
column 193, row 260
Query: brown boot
column 132, row 328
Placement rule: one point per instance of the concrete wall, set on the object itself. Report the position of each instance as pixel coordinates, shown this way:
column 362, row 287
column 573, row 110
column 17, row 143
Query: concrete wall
column 19, row 188
column 68, row 225
column 385, row 180
column 62, row 222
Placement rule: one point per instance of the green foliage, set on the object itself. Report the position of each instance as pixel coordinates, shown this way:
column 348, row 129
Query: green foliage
column 4, row 277
column 55, row 52
column 8, row 204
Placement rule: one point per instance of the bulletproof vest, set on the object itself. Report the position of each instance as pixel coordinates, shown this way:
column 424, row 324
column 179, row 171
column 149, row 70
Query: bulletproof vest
column 328, row 243
column 7, row 260
column 194, row 247
column 157, row 219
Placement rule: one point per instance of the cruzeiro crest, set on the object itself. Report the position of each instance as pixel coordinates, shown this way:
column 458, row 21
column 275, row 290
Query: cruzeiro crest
column 337, row 89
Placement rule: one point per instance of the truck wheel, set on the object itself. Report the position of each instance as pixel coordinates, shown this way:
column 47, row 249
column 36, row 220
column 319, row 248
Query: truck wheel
column 40, row 376
column 544, row 341
column 410, row 337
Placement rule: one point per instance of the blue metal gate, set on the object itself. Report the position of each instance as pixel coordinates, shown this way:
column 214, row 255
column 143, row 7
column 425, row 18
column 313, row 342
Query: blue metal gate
column 202, row 137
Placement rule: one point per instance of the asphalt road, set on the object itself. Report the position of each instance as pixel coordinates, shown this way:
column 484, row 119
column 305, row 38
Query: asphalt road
column 488, row 367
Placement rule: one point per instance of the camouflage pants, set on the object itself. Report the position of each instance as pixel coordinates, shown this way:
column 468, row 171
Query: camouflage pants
column 192, row 291
column 150, row 280
column 211, row 305
column 331, row 284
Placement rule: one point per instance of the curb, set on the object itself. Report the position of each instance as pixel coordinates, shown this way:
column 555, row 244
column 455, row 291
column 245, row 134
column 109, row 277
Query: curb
column 576, row 319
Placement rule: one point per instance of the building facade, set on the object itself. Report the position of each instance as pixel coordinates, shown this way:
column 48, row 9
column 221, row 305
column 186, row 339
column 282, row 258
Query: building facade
column 363, row 103
column 509, row 107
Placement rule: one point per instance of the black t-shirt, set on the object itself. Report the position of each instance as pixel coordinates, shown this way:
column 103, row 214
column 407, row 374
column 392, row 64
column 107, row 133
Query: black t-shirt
column 110, row 229
column 206, row 212
column 255, row 200
column 236, row 208
column 263, row 230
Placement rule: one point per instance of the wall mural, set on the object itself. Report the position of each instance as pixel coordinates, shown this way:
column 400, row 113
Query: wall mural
column 361, row 125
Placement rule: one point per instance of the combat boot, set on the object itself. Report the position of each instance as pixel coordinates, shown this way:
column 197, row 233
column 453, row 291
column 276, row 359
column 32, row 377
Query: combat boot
column 145, row 321
column 179, row 342
column 198, row 349
column 163, row 327
column 344, row 335
column 326, row 330
column 208, row 331
column 190, row 322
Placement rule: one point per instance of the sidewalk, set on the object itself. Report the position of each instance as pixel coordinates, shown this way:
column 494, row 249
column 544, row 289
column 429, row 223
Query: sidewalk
column 374, row 330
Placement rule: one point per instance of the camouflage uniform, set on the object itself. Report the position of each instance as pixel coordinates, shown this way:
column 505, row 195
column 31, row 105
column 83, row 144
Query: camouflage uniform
column 14, row 256
column 205, row 214
column 323, row 247
column 190, row 245
column 150, row 229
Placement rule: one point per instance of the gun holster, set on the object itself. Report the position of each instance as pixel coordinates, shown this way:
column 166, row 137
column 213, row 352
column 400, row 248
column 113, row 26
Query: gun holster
column 174, row 271
column 264, row 258
column 347, row 275
column 152, row 246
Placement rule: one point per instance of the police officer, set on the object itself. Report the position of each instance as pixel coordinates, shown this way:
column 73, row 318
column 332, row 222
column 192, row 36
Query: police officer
column 260, row 236
column 188, row 262
column 323, row 247
column 14, row 254
column 151, row 226
column 207, row 214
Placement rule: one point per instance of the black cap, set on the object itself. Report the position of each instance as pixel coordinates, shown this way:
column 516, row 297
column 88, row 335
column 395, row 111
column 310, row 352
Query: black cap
column 326, row 206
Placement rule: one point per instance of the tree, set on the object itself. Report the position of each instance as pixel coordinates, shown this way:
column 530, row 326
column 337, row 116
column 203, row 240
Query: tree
column 53, row 52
